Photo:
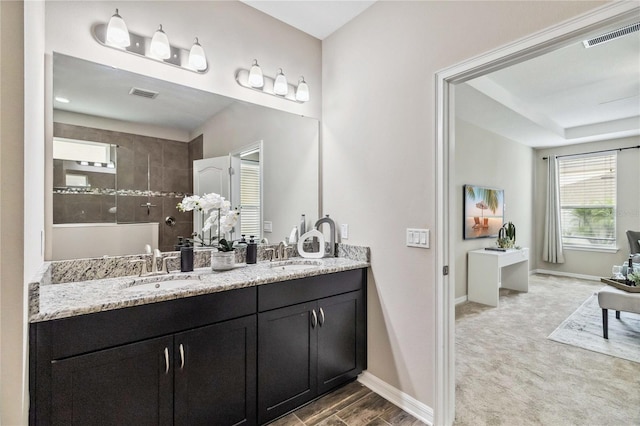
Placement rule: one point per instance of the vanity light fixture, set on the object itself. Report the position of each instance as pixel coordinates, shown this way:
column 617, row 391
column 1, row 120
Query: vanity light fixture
column 256, row 78
column 302, row 92
column 62, row 100
column 117, row 32
column 160, row 44
column 197, row 58
column 115, row 35
column 280, row 87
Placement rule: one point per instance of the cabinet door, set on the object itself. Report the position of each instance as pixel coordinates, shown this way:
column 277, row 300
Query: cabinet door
column 215, row 374
column 287, row 368
column 126, row 385
column 339, row 339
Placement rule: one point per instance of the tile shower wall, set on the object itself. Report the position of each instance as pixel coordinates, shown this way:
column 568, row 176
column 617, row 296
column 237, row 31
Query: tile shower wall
column 170, row 174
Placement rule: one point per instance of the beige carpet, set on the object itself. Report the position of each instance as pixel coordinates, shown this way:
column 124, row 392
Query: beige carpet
column 584, row 330
column 509, row 373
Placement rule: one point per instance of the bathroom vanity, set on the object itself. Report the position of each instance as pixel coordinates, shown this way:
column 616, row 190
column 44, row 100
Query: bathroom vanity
column 240, row 347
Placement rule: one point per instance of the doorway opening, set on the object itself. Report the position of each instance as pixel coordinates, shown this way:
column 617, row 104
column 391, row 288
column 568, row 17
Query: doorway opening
column 551, row 39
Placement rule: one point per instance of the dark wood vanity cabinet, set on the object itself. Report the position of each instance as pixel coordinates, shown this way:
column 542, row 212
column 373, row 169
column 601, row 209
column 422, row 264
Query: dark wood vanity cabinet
column 237, row 357
column 95, row 369
column 308, row 348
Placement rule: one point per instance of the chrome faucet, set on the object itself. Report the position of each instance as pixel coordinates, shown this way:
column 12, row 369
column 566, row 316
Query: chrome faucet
column 154, row 264
column 332, row 236
column 281, row 252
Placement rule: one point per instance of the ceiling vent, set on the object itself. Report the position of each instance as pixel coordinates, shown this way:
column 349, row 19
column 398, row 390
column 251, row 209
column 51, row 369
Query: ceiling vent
column 612, row 35
column 149, row 94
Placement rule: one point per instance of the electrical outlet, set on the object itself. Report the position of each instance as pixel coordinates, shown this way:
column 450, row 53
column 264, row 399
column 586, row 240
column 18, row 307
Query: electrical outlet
column 344, row 231
column 267, row 226
column 417, row 238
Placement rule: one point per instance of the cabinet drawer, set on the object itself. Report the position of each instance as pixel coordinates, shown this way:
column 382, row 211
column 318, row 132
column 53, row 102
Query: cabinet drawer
column 286, row 293
column 86, row 333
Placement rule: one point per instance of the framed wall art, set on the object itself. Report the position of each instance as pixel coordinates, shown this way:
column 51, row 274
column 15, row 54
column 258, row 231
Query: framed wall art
column 483, row 211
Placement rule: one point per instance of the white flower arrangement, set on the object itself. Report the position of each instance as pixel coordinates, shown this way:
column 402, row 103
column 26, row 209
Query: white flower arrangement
column 219, row 216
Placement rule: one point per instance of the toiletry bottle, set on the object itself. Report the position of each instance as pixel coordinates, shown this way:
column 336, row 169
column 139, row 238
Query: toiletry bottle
column 303, row 225
column 252, row 251
column 179, row 245
column 186, row 257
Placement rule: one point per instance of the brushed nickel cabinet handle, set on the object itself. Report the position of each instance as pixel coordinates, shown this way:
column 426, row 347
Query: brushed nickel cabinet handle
column 181, row 356
column 166, row 360
column 314, row 319
column 321, row 317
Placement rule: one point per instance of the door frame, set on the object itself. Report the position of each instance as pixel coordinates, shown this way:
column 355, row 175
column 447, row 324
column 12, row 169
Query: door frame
column 552, row 38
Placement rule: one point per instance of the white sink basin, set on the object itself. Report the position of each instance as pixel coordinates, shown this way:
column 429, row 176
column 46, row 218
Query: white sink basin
column 162, row 285
column 293, row 265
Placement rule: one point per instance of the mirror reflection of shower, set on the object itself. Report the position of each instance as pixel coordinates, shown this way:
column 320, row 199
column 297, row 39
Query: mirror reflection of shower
column 96, row 182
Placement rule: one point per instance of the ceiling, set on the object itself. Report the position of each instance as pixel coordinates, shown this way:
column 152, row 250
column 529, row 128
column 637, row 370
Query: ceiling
column 317, row 18
column 571, row 95
column 176, row 107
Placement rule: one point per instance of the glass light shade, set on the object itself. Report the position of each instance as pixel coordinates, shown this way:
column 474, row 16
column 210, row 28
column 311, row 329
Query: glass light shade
column 302, row 92
column 117, row 32
column 197, row 58
column 255, row 75
column 280, row 87
column 160, row 45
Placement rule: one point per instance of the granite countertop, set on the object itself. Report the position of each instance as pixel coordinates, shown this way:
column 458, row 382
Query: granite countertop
column 49, row 301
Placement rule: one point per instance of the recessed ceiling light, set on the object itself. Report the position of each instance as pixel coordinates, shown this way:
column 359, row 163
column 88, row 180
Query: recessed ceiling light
column 62, row 100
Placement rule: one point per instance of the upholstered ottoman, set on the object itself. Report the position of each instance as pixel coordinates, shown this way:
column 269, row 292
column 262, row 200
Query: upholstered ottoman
column 620, row 300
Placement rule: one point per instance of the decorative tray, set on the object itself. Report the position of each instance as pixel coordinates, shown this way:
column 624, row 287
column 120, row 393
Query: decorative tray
column 621, row 285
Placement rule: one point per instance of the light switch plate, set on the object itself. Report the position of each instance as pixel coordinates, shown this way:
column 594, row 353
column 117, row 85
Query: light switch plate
column 344, row 231
column 417, row 237
column 267, row 226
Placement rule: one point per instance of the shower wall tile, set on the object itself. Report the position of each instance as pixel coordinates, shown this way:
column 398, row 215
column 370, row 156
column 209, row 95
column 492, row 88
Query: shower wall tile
column 176, row 180
column 170, row 171
column 175, row 155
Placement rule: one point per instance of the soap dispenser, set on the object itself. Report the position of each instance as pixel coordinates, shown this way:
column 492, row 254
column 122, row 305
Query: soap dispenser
column 186, row 257
column 252, row 251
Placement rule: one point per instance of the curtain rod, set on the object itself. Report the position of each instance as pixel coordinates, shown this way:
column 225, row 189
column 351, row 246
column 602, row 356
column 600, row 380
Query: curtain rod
column 596, row 152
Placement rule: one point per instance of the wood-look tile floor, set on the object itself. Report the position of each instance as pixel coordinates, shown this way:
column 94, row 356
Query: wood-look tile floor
column 351, row 405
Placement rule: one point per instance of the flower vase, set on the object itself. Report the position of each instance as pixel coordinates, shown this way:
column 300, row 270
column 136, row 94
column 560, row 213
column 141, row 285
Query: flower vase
column 222, row 260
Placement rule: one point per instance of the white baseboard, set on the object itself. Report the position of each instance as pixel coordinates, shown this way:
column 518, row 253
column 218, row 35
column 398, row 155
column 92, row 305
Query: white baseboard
column 406, row 402
column 461, row 300
column 567, row 274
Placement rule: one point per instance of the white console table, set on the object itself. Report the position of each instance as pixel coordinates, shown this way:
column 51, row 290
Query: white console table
column 489, row 270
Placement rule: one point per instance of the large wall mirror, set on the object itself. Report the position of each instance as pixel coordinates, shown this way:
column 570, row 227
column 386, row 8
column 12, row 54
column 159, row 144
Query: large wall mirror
column 152, row 137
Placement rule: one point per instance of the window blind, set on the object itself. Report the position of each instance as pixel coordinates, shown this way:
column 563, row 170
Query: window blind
column 250, row 198
column 588, row 199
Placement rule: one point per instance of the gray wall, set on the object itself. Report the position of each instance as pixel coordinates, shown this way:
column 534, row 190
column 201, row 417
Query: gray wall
column 595, row 263
column 378, row 142
column 487, row 159
column 290, row 159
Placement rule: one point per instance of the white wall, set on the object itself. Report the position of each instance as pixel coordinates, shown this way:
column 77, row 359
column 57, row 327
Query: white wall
column 595, row 263
column 232, row 34
column 90, row 240
column 487, row 159
column 289, row 161
column 92, row 121
column 378, row 141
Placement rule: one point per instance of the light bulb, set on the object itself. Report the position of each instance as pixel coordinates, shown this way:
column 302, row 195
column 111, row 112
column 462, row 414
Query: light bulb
column 160, row 45
column 255, row 75
column 280, row 87
column 197, row 58
column 117, row 32
column 302, row 92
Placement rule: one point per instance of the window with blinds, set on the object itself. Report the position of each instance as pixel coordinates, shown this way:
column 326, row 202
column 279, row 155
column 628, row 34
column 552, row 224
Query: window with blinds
column 588, row 200
column 250, row 198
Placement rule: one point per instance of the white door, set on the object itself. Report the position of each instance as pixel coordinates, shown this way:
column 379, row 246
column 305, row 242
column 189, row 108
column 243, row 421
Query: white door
column 210, row 175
